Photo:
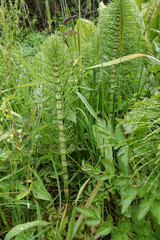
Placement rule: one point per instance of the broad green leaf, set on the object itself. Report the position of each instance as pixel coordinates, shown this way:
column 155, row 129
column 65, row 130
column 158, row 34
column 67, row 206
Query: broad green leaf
column 124, row 59
column 128, row 195
column 119, row 138
column 104, row 230
column 45, row 192
column 144, row 208
column 122, row 150
column 123, row 156
column 93, row 221
column 155, row 210
column 86, row 212
column 22, row 227
column 120, row 236
column 88, row 106
column 6, row 135
column 22, row 195
column 40, row 191
column 109, row 167
column 84, row 26
column 104, row 176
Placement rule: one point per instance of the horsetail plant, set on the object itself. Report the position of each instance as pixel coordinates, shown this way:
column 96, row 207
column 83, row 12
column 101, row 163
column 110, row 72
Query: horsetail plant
column 119, row 25
column 56, row 73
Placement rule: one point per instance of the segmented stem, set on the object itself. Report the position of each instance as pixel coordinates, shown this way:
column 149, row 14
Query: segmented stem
column 112, row 80
column 62, row 139
column 120, row 23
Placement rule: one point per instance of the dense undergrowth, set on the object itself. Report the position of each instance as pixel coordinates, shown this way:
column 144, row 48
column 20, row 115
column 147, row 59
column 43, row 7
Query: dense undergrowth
column 80, row 136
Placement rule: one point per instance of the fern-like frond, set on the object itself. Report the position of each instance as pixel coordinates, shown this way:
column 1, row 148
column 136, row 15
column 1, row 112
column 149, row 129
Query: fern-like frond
column 142, row 125
column 120, row 33
column 54, row 68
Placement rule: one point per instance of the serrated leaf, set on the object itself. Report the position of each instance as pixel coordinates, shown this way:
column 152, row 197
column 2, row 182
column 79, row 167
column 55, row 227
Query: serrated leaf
column 120, row 236
column 119, row 137
column 103, row 231
column 110, row 169
column 123, row 156
column 128, row 195
column 144, row 208
column 106, row 228
column 93, row 221
column 103, row 177
column 22, row 227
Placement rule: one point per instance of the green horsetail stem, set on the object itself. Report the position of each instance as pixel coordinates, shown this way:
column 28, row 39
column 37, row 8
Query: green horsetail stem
column 113, row 76
column 62, row 139
column 55, row 70
column 116, row 41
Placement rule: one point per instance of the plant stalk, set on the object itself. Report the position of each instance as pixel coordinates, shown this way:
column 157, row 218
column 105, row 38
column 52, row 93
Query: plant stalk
column 62, row 140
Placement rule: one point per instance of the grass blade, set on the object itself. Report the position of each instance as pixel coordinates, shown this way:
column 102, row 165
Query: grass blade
column 88, row 106
column 81, row 190
column 71, row 225
column 22, row 227
column 87, row 205
column 124, row 59
column 21, row 86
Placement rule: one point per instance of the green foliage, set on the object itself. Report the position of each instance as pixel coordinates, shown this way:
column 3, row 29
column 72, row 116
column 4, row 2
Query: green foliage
column 85, row 109
column 10, row 20
column 142, row 124
column 55, row 71
column 151, row 19
column 121, row 34
column 23, row 227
